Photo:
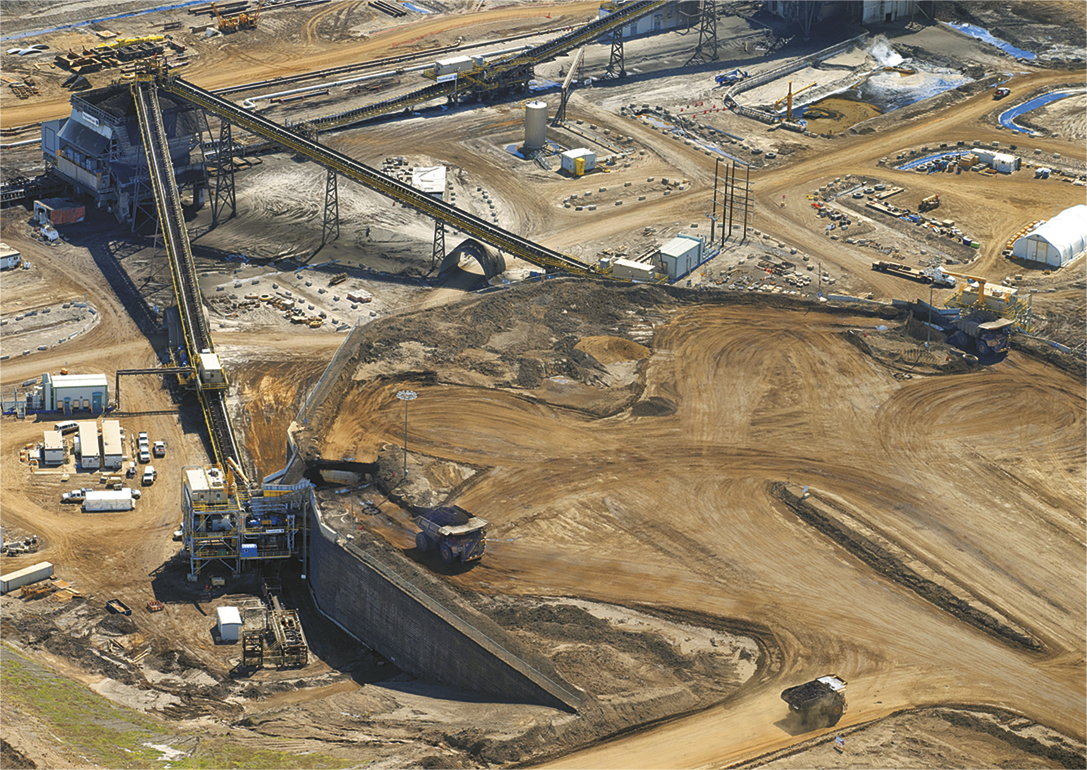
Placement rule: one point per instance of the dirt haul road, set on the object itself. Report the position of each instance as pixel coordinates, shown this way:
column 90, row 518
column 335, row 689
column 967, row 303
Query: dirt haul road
column 676, row 510
column 993, row 208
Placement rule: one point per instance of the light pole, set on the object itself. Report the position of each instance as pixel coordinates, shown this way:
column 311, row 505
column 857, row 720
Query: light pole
column 714, row 217
column 406, row 396
column 928, row 337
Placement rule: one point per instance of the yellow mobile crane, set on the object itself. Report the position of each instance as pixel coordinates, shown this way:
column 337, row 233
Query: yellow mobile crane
column 789, row 98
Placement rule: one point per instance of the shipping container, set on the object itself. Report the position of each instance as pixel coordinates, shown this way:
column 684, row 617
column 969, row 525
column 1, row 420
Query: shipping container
column 112, row 500
column 112, row 447
column 229, row 620
column 40, row 571
column 456, row 64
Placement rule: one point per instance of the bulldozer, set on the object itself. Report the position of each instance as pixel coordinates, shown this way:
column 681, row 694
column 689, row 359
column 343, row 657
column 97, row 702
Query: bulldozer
column 818, row 703
column 929, row 203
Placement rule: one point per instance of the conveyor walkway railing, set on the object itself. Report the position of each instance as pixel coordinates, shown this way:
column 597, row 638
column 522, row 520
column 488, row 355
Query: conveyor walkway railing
column 182, row 266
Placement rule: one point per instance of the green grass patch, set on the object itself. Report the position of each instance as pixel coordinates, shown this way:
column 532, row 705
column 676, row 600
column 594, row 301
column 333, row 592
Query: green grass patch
column 106, row 734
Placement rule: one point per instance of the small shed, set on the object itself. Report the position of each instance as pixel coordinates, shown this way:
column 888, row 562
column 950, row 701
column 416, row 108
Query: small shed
column 625, row 269
column 113, row 451
column 58, row 211
column 229, row 620
column 9, row 257
column 53, row 448
column 570, row 164
column 90, row 456
column 681, row 255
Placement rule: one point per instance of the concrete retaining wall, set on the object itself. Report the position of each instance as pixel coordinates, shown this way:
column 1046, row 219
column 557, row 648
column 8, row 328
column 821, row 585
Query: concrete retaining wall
column 417, row 633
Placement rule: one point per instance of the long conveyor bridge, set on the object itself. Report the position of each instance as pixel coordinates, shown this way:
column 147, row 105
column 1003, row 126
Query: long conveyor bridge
column 498, row 73
column 199, row 347
column 469, row 224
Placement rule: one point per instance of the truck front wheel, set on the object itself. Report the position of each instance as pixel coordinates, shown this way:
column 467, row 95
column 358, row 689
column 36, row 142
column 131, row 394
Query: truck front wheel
column 446, row 553
column 422, row 542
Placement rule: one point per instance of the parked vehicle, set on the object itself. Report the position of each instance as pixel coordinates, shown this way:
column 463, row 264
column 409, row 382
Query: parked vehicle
column 159, row 449
column 149, row 475
column 454, row 532
column 75, row 495
column 145, row 456
column 1000, row 93
column 66, row 427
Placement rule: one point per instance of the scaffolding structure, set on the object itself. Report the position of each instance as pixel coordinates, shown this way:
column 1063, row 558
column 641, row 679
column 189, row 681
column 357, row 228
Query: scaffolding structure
column 222, row 521
column 277, row 641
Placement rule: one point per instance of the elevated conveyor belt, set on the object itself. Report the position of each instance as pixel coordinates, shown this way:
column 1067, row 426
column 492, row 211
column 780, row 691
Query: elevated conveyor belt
column 375, row 180
column 496, row 73
column 182, row 266
column 580, row 36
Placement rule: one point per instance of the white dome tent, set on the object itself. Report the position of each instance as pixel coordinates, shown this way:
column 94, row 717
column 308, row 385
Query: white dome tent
column 1056, row 242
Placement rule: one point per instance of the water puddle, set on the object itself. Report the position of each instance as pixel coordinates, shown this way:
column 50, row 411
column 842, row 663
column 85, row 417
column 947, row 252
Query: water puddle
column 1007, row 118
column 985, row 36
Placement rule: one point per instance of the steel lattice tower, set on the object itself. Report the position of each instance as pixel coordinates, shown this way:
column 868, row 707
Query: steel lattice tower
column 706, row 51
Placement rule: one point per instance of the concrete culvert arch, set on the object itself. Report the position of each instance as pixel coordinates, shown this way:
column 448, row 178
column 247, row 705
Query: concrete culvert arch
column 488, row 257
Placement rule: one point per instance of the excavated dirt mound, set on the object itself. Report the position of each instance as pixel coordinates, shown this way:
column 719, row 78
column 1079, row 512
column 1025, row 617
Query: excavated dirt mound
column 610, row 350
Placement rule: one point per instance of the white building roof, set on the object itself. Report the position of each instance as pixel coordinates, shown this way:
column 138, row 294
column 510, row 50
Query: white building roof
column 88, row 438
column 111, row 437
column 642, row 267
column 429, row 179
column 79, row 381
column 580, row 152
column 228, row 616
column 678, row 246
column 1066, row 232
column 7, row 251
column 54, row 439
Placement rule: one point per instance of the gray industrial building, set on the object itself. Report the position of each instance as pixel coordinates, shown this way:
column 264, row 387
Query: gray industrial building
column 99, row 150
column 677, row 15
column 70, row 393
column 808, row 13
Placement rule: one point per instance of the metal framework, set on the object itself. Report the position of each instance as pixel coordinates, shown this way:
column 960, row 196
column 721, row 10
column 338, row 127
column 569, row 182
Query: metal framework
column 567, row 87
column 616, row 64
column 224, row 174
column 331, row 221
column 706, row 50
column 437, row 255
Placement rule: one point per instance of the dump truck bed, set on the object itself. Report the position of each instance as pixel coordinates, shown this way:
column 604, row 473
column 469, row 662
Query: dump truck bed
column 809, row 692
column 473, row 525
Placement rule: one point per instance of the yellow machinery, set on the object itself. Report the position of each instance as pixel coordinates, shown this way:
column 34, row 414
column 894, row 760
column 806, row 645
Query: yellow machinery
column 123, row 41
column 789, row 98
column 244, row 20
column 929, row 203
column 986, row 296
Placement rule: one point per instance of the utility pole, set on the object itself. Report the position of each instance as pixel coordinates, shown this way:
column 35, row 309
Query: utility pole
column 928, row 337
column 713, row 216
column 406, row 396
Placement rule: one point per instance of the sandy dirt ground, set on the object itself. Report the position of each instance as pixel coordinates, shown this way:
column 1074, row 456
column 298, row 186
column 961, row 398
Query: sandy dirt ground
column 634, row 450
column 798, row 405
